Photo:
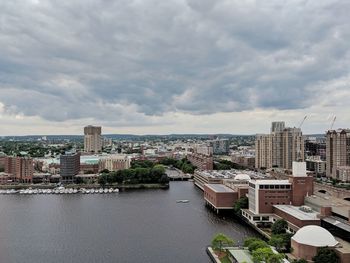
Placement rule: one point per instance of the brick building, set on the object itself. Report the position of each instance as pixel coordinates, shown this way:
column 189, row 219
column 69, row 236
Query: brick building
column 20, row 167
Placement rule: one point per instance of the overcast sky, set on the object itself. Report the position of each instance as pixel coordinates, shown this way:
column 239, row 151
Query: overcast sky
column 174, row 66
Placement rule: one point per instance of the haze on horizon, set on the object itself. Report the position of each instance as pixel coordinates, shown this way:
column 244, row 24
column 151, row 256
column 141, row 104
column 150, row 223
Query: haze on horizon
column 176, row 66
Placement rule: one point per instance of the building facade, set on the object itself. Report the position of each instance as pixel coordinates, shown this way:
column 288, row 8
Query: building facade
column 279, row 148
column 92, row 139
column 114, row 163
column 337, row 151
column 220, row 146
column 20, row 167
column 69, row 167
column 202, row 157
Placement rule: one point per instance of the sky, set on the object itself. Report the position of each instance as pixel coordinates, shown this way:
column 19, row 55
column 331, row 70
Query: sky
column 174, row 66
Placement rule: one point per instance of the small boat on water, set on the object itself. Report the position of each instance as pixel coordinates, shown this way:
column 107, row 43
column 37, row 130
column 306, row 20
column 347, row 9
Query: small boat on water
column 105, row 191
column 182, row 201
column 116, row 190
column 100, row 191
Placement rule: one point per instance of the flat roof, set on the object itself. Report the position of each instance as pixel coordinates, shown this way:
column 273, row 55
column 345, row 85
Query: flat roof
column 337, row 222
column 220, row 188
column 297, row 213
column 241, row 255
column 273, row 182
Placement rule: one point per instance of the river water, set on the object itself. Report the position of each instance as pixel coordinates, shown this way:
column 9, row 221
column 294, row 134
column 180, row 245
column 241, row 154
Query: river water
column 132, row 226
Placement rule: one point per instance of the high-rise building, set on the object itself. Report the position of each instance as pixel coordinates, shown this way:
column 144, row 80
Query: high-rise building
column 337, row 151
column 20, row 167
column 277, row 126
column 279, row 148
column 92, row 139
column 69, row 167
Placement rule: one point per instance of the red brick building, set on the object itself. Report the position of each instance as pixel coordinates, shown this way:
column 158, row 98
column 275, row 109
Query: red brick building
column 219, row 196
column 20, row 167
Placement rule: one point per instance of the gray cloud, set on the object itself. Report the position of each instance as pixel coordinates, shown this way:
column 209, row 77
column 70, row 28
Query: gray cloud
column 128, row 61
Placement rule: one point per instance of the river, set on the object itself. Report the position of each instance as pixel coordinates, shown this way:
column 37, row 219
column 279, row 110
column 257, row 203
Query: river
column 132, row 226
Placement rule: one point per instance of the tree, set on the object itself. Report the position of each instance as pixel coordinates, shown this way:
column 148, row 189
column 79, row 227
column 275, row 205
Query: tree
column 255, row 245
column 250, row 240
column 275, row 258
column 262, row 254
column 278, row 242
column 279, row 227
column 241, row 203
column 326, row 255
column 221, row 240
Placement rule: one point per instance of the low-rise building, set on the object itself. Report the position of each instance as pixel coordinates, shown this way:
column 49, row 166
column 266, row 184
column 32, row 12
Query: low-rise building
column 114, row 162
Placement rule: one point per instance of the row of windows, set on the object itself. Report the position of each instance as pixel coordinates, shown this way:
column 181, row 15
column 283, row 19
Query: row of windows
column 272, row 203
column 274, row 186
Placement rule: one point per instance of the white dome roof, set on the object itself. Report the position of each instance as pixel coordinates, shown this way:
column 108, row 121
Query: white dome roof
column 242, row 177
column 315, row 236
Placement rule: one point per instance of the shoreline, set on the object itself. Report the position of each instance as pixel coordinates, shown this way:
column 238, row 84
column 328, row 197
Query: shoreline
column 87, row 186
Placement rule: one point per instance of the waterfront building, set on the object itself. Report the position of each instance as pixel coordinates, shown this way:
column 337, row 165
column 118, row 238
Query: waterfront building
column 92, row 139
column 270, row 198
column 69, row 167
column 202, row 157
column 224, row 195
column 20, row 167
column 114, row 163
column 279, row 148
column 337, row 151
column 202, row 177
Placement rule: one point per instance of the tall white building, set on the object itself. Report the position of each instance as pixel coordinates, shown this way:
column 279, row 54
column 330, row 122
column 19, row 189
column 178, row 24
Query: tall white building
column 92, row 139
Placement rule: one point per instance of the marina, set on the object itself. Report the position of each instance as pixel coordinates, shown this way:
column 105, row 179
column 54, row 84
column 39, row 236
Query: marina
column 60, row 190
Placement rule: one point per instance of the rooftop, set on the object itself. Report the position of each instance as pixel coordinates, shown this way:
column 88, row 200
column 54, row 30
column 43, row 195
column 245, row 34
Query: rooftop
column 241, row 255
column 315, row 236
column 273, row 182
column 219, row 188
column 296, row 212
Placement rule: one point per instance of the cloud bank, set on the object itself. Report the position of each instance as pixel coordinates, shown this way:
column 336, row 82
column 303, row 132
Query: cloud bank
column 154, row 66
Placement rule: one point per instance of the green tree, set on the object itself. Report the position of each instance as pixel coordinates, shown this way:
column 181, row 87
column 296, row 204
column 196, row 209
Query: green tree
column 221, row 240
column 275, row 258
column 241, row 203
column 262, row 254
column 255, row 245
column 279, row 227
column 250, row 240
column 326, row 255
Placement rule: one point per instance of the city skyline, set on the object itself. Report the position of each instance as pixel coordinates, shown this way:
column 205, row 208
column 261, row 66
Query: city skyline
column 149, row 67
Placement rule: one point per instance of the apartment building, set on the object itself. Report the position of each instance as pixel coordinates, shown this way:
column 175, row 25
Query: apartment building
column 92, row 139
column 337, row 151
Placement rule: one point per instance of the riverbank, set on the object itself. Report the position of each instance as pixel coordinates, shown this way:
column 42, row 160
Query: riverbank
column 87, row 186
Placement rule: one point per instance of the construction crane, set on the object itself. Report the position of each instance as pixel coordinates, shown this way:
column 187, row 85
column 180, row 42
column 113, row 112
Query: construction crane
column 302, row 122
column 333, row 121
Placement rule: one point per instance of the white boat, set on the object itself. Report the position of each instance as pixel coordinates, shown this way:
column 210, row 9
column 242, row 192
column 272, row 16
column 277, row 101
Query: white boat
column 21, row 191
column 75, row 191
column 92, row 191
column 105, row 191
column 70, row 191
column 35, row 191
column 116, row 190
column 182, row 201
column 110, row 190
column 88, row 191
column 30, row 191
column 49, row 191
column 100, row 191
